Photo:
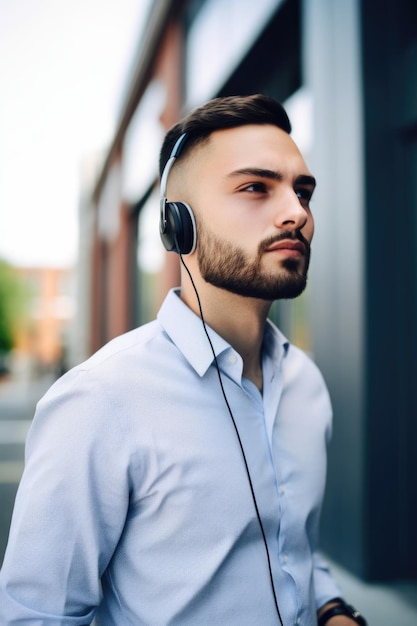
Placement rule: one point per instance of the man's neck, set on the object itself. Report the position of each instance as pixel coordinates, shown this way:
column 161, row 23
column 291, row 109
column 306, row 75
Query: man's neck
column 239, row 320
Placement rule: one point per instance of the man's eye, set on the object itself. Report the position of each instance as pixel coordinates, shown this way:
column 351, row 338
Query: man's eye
column 255, row 188
column 304, row 195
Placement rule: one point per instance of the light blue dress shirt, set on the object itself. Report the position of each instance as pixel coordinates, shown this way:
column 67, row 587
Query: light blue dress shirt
column 135, row 506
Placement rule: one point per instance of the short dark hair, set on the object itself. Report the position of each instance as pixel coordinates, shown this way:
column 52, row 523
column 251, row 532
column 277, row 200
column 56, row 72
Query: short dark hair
column 221, row 113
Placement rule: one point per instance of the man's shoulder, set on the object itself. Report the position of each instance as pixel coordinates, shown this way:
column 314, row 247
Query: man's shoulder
column 132, row 342
column 129, row 354
column 115, row 368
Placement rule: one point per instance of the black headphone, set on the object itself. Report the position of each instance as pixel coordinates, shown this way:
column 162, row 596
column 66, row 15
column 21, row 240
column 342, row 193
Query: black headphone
column 177, row 223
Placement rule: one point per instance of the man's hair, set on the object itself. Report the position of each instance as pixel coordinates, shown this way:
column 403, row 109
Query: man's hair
column 221, row 113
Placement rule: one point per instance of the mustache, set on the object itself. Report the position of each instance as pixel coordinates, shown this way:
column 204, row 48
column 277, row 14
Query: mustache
column 291, row 235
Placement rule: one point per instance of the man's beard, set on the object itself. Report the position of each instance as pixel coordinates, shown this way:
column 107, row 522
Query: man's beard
column 229, row 268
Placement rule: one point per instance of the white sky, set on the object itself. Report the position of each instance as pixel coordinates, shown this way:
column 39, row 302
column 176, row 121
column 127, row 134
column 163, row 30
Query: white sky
column 63, row 69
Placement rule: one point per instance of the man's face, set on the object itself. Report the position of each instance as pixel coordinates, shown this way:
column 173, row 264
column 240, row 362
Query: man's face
column 250, row 194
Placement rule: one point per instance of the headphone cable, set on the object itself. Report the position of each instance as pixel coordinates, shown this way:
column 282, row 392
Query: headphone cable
column 239, row 440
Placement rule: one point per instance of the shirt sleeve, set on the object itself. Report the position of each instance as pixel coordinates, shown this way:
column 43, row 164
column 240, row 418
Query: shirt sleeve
column 325, row 586
column 70, row 508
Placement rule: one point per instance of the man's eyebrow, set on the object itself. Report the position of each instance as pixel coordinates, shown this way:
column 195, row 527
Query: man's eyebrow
column 303, row 179
column 256, row 171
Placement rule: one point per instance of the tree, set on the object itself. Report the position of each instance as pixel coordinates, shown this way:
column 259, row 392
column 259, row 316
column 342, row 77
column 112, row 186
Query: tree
column 13, row 303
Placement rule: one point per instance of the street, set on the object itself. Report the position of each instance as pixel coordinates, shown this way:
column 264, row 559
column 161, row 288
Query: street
column 18, row 399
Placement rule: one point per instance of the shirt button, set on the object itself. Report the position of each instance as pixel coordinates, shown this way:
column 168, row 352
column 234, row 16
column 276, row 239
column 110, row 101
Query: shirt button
column 232, row 359
column 285, row 559
column 299, row 620
column 282, row 489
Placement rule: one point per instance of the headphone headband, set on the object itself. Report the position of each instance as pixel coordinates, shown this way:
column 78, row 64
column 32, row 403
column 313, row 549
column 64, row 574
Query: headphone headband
column 174, row 154
column 177, row 223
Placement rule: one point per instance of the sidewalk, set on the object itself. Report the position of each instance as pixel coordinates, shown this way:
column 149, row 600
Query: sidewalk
column 18, row 398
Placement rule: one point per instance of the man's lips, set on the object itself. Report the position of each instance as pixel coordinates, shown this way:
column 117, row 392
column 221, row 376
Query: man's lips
column 291, row 247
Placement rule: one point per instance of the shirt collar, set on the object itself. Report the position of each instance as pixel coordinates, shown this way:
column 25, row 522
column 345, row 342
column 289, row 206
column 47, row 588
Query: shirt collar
column 274, row 349
column 186, row 331
column 275, row 344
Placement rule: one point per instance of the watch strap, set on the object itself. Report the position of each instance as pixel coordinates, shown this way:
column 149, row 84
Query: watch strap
column 342, row 609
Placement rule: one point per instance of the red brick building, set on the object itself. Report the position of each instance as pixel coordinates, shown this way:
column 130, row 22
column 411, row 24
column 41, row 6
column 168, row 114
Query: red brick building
column 43, row 339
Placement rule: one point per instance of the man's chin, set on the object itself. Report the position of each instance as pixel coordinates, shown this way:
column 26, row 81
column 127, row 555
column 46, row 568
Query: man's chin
column 285, row 289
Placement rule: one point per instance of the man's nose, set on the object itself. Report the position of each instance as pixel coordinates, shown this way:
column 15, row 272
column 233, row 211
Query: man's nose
column 290, row 214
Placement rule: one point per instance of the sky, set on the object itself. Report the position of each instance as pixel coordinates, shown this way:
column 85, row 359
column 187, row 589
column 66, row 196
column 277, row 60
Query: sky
column 64, row 66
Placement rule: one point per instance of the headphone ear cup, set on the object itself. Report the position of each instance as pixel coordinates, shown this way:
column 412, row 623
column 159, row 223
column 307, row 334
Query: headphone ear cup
column 178, row 233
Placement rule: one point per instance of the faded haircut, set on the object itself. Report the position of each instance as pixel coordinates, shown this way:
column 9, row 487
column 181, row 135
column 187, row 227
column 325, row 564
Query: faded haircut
column 221, row 113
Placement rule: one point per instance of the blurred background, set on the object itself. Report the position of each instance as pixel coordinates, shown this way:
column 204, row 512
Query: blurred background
column 89, row 89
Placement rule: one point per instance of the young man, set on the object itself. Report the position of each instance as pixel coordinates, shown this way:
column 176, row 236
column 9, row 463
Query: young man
column 176, row 477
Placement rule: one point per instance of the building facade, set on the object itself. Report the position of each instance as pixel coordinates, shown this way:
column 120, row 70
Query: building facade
column 346, row 72
column 44, row 337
